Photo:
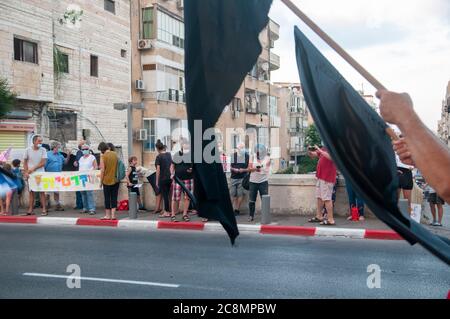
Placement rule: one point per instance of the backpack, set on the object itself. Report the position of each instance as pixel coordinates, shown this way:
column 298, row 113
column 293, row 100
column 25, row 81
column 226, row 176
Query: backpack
column 120, row 171
column 246, row 182
column 19, row 180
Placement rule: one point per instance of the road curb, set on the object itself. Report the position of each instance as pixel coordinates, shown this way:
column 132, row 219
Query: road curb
column 207, row 227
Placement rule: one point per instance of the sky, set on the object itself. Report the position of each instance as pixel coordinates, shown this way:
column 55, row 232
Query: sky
column 405, row 44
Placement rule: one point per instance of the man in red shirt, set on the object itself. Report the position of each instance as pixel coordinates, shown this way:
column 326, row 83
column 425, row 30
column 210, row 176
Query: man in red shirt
column 326, row 179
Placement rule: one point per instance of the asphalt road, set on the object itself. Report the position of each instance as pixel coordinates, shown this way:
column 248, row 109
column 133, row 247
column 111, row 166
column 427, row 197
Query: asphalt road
column 192, row 265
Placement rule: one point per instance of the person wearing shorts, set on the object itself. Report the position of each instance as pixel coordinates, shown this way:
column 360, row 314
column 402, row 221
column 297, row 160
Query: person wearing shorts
column 182, row 170
column 239, row 169
column 132, row 176
column 326, row 174
column 405, row 181
column 438, row 203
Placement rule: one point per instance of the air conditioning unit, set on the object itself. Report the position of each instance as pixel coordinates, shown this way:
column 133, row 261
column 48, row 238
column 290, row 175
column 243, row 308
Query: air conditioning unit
column 142, row 135
column 180, row 4
column 145, row 44
column 140, row 85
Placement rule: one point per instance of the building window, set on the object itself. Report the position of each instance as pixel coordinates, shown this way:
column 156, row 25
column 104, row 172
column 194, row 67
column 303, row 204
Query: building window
column 94, row 66
column 63, row 126
column 123, row 53
column 273, row 106
column 150, row 143
column 149, row 67
column 147, row 23
column 64, row 67
column 25, row 51
column 170, row 30
column 263, row 136
column 110, row 6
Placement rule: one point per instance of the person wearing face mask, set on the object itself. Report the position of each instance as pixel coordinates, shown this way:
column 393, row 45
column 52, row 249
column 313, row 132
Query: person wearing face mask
column 54, row 164
column 87, row 163
column 76, row 164
column 259, row 168
column 34, row 161
column 239, row 168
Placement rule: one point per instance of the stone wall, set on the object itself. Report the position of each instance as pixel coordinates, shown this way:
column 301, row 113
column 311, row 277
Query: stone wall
column 290, row 195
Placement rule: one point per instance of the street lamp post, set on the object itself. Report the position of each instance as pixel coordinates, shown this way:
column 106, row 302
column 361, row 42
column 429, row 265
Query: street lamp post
column 129, row 107
column 296, row 167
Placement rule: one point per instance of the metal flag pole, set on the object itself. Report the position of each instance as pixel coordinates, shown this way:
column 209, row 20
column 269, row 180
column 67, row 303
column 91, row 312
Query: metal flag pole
column 336, row 47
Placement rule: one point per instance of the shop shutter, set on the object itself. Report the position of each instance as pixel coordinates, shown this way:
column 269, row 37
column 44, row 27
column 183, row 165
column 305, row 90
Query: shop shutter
column 16, row 140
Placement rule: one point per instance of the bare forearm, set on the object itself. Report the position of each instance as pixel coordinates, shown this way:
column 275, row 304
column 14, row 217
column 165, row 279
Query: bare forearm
column 429, row 154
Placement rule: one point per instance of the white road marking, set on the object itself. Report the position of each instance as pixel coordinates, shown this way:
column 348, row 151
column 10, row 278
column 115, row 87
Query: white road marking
column 337, row 232
column 130, row 282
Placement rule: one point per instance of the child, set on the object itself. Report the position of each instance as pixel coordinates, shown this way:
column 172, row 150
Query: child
column 133, row 179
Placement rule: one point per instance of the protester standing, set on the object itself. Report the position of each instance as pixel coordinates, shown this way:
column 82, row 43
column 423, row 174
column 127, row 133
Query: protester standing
column 405, row 181
column 239, row 169
column 132, row 176
column 55, row 163
column 163, row 162
column 181, row 168
column 326, row 174
column 108, row 165
column 5, row 208
column 87, row 163
column 436, row 203
column 34, row 161
column 259, row 168
column 76, row 164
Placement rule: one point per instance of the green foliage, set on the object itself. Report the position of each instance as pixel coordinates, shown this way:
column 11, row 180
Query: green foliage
column 312, row 136
column 7, row 98
column 58, row 62
column 73, row 16
column 307, row 165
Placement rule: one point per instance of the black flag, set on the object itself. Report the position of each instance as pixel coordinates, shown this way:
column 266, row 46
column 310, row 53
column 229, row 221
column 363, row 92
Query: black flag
column 356, row 137
column 222, row 46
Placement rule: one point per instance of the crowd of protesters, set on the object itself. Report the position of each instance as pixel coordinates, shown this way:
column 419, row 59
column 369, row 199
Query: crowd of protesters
column 173, row 178
column 251, row 168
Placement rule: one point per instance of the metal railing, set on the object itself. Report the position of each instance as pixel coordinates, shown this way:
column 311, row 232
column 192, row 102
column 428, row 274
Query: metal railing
column 174, row 96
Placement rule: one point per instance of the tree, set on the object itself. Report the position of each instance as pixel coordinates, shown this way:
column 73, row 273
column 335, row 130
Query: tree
column 7, row 98
column 312, row 136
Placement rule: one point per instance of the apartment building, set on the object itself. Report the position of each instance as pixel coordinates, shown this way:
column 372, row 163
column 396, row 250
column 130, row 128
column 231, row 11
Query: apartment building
column 69, row 62
column 158, row 76
column 297, row 120
column 253, row 117
column 444, row 123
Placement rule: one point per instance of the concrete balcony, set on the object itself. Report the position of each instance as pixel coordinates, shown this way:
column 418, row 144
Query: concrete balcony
column 274, row 61
column 274, row 30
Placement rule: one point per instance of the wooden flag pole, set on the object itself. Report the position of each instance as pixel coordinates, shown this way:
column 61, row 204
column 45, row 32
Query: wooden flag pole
column 347, row 57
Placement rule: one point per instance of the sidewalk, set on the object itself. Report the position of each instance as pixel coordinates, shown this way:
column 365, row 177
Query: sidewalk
column 287, row 225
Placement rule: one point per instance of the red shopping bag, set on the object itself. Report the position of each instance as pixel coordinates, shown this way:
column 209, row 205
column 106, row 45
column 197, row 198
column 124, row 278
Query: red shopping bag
column 123, row 205
column 355, row 214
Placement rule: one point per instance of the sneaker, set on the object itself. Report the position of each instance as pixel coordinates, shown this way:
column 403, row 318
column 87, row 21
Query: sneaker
column 92, row 212
column 84, row 212
column 251, row 219
column 59, row 208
